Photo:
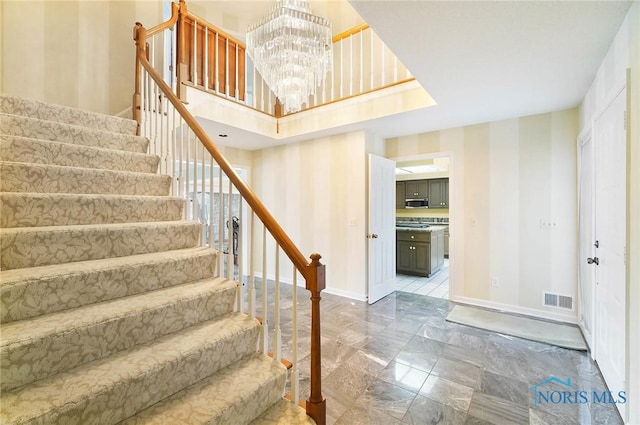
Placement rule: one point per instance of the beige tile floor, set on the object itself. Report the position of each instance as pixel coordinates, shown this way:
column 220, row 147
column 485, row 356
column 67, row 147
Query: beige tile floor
column 436, row 286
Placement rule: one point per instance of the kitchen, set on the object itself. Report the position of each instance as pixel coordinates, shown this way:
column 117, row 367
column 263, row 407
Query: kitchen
column 422, row 227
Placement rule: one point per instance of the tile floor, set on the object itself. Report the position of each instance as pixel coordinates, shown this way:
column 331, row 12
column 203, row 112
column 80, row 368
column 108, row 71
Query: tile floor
column 436, row 286
column 399, row 361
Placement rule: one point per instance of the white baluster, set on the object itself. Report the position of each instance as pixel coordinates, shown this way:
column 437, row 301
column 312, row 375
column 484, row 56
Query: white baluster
column 395, row 69
column 172, row 156
column 361, row 33
column 230, row 262
column 252, row 276
column 220, row 224
column 211, row 201
column 265, row 324
column 383, row 64
column 351, row 66
column 295, row 378
column 203, row 203
column 196, row 142
column 341, row 69
column 372, row 67
column 277, row 334
column 242, row 291
column 180, row 147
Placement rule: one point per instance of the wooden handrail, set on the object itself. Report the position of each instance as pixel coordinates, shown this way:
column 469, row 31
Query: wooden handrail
column 209, row 25
column 175, row 8
column 349, row 32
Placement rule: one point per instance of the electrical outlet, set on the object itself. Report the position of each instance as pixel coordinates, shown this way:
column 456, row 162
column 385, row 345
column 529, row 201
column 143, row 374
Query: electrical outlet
column 495, row 281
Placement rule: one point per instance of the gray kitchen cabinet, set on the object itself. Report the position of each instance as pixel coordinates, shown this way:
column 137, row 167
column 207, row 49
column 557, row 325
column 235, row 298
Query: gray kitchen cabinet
column 416, row 189
column 439, row 193
column 419, row 253
column 413, row 258
column 400, row 197
column 440, row 254
column 446, row 242
column 412, row 252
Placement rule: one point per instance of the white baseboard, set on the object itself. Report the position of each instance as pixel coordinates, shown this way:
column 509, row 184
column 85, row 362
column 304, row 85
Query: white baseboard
column 540, row 314
column 347, row 294
column 332, row 291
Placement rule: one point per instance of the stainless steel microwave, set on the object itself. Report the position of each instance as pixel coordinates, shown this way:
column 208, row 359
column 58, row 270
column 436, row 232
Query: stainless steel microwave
column 416, row 203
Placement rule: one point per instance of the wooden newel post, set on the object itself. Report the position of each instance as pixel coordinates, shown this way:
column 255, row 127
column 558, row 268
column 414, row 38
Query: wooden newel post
column 140, row 37
column 316, row 405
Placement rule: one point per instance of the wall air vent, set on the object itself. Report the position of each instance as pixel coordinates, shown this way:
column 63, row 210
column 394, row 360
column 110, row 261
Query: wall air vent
column 555, row 300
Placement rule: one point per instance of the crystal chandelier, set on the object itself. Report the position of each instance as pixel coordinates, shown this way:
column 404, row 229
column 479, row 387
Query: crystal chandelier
column 291, row 48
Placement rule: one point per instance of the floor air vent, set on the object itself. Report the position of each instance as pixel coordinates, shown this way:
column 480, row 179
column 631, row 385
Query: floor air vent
column 558, row 301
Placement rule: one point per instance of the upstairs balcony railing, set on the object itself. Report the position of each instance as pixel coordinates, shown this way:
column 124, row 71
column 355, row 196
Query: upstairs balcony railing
column 200, row 55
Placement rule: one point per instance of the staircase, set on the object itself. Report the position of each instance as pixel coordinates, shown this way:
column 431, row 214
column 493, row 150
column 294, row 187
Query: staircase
column 111, row 310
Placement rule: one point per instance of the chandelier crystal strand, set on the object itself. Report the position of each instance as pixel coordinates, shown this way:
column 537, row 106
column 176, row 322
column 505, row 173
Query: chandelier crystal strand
column 292, row 49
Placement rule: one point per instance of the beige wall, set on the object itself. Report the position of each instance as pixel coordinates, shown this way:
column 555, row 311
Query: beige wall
column 322, row 204
column 76, row 53
column 506, row 178
column 623, row 54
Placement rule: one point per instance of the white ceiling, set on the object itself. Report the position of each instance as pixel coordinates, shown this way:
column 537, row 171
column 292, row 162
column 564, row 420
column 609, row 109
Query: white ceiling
column 480, row 60
column 490, row 60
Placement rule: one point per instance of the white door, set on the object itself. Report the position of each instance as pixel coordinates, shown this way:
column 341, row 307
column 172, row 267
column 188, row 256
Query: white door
column 610, row 211
column 587, row 247
column 381, row 231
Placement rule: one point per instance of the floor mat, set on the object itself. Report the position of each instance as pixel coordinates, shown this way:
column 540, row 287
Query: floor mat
column 565, row 336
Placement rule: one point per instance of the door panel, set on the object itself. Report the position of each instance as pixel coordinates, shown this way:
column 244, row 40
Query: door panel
column 381, row 232
column 610, row 212
column 404, row 256
column 421, row 252
column 586, row 271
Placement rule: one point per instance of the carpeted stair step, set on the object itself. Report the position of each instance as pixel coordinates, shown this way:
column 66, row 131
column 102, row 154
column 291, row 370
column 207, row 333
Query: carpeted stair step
column 21, row 177
column 32, row 292
column 64, row 114
column 114, row 388
column 15, row 125
column 284, row 413
column 22, row 149
column 18, row 209
column 58, row 342
column 234, row 396
column 40, row 246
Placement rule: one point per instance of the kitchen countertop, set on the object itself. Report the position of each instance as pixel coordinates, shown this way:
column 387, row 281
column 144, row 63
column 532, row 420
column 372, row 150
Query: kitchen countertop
column 431, row 228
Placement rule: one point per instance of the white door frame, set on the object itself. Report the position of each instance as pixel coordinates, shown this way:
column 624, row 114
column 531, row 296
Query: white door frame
column 453, row 288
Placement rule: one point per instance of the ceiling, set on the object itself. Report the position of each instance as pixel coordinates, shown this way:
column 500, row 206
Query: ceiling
column 491, row 60
column 481, row 61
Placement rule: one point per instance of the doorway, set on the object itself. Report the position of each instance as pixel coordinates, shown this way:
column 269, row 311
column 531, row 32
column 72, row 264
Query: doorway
column 437, row 169
column 602, row 212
